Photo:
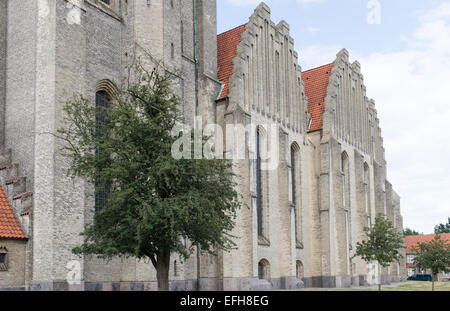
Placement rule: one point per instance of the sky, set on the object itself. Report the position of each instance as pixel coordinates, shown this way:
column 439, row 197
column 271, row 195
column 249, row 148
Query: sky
column 404, row 50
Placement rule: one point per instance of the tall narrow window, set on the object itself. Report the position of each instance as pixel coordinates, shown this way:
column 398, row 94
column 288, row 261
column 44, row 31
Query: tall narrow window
column 346, row 204
column 266, row 66
column 294, row 193
column 366, row 193
column 244, row 80
column 277, row 82
column 175, row 268
column 343, row 179
column 101, row 189
column 294, row 181
column 249, row 84
column 259, row 204
column 182, row 37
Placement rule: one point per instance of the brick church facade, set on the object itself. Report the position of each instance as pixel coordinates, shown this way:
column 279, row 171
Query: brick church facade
column 306, row 213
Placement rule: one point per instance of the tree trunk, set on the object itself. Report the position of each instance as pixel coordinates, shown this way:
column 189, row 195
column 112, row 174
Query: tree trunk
column 433, row 278
column 379, row 277
column 162, row 269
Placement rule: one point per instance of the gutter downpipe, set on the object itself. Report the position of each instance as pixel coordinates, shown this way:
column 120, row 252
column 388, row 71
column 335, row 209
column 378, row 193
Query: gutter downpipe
column 194, row 4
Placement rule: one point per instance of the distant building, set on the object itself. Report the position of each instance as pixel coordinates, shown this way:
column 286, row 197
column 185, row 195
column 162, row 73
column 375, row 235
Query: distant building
column 410, row 242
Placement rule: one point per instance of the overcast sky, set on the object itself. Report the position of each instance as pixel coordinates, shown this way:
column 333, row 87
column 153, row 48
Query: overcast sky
column 405, row 56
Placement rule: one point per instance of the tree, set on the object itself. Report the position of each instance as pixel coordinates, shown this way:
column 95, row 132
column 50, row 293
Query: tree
column 434, row 255
column 382, row 245
column 154, row 203
column 443, row 228
column 408, row 231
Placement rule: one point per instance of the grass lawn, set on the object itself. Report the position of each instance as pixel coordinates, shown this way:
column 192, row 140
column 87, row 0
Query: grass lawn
column 405, row 286
column 421, row 286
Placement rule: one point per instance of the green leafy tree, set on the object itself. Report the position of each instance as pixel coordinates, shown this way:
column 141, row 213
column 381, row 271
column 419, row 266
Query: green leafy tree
column 408, row 232
column 433, row 255
column 155, row 205
column 443, row 228
column 383, row 244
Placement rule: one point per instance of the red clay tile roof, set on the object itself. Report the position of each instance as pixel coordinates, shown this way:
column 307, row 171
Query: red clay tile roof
column 9, row 224
column 316, row 83
column 412, row 240
column 226, row 51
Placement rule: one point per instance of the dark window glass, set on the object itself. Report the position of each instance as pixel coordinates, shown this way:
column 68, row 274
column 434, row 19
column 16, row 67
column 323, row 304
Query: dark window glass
column 259, row 185
column 294, row 199
column 261, row 271
column 3, row 262
column 101, row 102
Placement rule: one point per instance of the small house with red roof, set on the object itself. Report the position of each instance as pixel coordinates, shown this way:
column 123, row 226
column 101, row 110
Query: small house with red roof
column 411, row 242
column 13, row 246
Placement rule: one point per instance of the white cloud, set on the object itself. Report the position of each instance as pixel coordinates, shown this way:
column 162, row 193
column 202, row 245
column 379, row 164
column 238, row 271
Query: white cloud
column 411, row 88
column 312, row 29
column 244, row 2
column 256, row 2
column 307, row 2
column 318, row 55
column 411, row 92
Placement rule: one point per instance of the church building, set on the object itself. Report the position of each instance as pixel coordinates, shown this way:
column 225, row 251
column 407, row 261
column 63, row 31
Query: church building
column 312, row 171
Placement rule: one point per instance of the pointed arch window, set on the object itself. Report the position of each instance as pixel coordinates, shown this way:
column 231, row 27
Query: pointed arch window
column 366, row 192
column 293, row 167
column 264, row 270
column 299, row 270
column 259, row 203
column 344, row 179
column 102, row 100
column 345, row 183
column 294, row 185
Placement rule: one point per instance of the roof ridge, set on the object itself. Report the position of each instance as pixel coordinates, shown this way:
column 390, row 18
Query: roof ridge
column 318, row 67
column 222, row 33
column 419, row 235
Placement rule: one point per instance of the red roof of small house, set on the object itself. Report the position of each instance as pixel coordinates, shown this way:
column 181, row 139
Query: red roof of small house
column 412, row 240
column 10, row 227
column 316, row 83
column 227, row 43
